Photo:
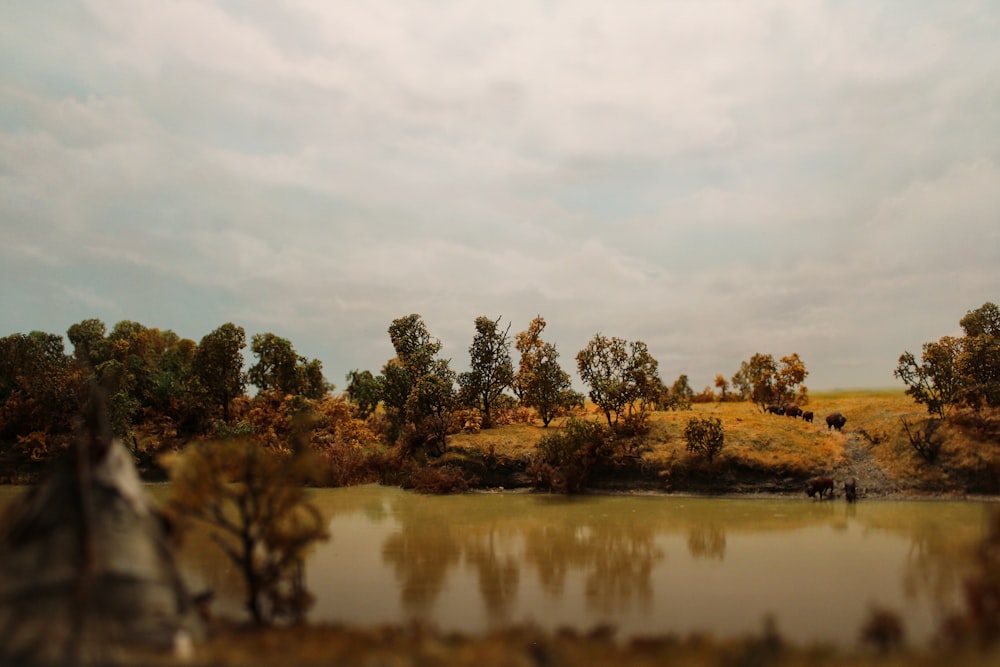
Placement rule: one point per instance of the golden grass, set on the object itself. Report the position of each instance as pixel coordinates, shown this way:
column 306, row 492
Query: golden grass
column 761, row 446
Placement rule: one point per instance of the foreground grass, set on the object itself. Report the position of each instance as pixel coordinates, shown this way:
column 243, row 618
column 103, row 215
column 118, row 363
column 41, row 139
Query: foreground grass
column 241, row 646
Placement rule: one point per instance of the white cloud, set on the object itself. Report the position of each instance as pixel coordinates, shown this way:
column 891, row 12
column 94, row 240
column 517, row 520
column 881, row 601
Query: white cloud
column 714, row 178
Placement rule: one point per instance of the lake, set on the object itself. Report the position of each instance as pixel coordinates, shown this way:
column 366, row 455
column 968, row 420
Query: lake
column 646, row 565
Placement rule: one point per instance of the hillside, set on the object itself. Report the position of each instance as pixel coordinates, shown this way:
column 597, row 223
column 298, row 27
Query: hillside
column 765, row 453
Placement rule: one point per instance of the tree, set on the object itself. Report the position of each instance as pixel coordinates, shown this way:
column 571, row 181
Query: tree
column 491, row 368
column 622, row 376
column 979, row 360
column 790, row 375
column 723, row 386
column 253, row 502
column 364, row 390
column 541, row 381
column 680, row 395
column 430, row 406
column 741, row 382
column 89, row 345
column 416, row 360
column 276, row 361
column 936, row 381
column 983, row 321
column 218, row 365
column 280, row 368
column 759, row 375
column 705, row 436
column 39, row 385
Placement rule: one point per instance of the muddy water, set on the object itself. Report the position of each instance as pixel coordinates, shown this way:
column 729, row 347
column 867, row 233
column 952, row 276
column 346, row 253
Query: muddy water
column 646, row 565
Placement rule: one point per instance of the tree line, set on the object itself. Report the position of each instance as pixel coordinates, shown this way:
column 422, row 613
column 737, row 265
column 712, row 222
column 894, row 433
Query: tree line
column 181, row 389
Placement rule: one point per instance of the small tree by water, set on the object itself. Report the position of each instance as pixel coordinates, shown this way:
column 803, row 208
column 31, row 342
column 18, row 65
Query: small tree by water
column 704, row 436
column 253, row 502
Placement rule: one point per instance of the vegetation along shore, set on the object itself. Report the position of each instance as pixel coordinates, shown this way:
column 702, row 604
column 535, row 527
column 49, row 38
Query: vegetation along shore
column 183, row 412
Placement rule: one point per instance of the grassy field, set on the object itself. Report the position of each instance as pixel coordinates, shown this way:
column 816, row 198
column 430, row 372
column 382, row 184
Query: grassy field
column 771, row 453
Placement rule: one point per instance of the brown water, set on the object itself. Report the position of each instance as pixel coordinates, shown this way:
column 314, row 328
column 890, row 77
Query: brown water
column 646, row 565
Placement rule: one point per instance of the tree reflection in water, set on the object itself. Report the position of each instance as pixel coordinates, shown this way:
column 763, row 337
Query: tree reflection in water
column 707, row 541
column 420, row 556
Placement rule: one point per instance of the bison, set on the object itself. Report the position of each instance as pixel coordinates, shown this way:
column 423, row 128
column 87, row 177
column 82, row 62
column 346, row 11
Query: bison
column 776, row 409
column 851, row 490
column 807, row 416
column 792, row 410
column 836, row 420
column 819, row 485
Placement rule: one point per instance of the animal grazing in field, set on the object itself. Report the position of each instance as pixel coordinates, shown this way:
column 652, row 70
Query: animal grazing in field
column 851, row 490
column 819, row 485
column 807, row 416
column 776, row 409
column 792, row 410
column 836, row 420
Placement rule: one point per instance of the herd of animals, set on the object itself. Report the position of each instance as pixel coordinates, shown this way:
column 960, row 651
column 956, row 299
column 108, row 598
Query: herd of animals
column 835, row 420
column 819, row 486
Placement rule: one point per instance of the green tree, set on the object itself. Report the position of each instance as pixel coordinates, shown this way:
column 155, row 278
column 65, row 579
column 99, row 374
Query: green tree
column 364, row 390
column 218, row 366
column 542, row 383
column 681, row 394
column 280, row 368
column 565, row 459
column 276, row 362
column 89, row 344
column 741, row 383
column 983, row 321
column 622, row 376
column 979, row 360
column 254, row 503
column 429, row 408
column 415, row 355
column 492, row 370
column 39, row 385
column 704, row 436
column 936, row 381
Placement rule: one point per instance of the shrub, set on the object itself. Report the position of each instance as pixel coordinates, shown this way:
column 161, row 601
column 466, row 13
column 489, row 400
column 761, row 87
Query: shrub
column 924, row 441
column 704, row 436
column 440, row 479
column 565, row 459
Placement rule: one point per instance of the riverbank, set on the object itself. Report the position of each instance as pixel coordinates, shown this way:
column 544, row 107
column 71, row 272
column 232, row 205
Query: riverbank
column 767, row 454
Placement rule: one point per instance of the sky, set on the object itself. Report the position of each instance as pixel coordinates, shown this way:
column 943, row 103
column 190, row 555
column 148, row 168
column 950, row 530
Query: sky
column 713, row 178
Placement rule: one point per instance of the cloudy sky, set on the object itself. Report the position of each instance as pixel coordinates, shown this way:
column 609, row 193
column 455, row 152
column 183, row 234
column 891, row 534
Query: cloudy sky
column 715, row 178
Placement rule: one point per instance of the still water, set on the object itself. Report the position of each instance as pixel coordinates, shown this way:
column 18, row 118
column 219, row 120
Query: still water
column 644, row 564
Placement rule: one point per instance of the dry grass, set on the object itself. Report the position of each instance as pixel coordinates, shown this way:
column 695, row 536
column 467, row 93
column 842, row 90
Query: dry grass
column 766, row 452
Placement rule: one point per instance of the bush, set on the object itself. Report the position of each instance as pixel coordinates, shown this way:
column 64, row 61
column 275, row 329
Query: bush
column 704, row 436
column 565, row 459
column 439, row 479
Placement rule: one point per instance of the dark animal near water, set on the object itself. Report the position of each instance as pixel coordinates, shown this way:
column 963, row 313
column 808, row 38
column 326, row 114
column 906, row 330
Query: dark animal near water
column 792, row 410
column 836, row 420
column 819, row 485
column 851, row 490
column 807, row 416
column 776, row 409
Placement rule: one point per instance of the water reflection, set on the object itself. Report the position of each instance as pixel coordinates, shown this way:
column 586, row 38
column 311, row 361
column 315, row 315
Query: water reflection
column 646, row 565
column 708, row 541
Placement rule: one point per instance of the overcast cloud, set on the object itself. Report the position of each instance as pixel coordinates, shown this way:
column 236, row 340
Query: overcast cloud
column 715, row 178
